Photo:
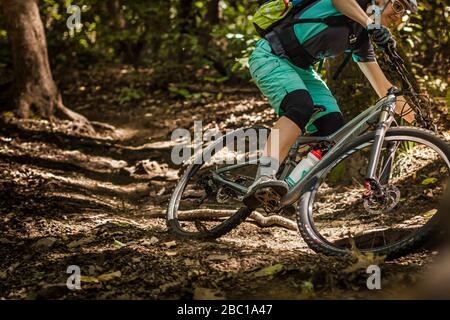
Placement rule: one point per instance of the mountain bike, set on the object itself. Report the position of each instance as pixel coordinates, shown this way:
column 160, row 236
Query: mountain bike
column 376, row 189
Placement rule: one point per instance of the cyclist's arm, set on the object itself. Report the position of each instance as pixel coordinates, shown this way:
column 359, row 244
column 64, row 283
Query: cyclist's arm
column 381, row 85
column 351, row 9
column 376, row 77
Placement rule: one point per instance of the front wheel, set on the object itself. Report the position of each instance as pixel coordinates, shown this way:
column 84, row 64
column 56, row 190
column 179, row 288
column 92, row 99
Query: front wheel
column 334, row 215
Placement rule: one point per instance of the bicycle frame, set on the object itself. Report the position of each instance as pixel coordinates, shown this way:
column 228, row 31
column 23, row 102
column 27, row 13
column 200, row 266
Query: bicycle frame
column 383, row 110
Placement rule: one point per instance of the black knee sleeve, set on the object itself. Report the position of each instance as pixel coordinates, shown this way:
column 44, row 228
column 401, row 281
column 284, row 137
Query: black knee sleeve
column 328, row 124
column 298, row 106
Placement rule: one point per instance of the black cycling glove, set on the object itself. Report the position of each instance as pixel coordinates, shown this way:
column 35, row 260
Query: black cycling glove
column 382, row 37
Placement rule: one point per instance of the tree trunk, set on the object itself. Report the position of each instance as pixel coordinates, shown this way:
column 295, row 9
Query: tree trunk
column 33, row 81
column 186, row 16
column 212, row 15
column 211, row 18
column 115, row 9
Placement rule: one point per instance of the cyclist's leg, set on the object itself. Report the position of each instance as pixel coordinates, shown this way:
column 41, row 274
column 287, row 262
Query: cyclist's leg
column 287, row 94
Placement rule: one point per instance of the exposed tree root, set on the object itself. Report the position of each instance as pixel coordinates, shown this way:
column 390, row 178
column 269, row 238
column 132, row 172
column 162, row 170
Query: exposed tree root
column 80, row 122
column 104, row 126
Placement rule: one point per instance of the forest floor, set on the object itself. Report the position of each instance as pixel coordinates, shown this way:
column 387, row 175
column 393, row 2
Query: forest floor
column 71, row 199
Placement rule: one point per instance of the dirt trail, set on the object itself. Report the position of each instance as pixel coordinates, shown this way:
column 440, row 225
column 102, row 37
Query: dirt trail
column 69, row 200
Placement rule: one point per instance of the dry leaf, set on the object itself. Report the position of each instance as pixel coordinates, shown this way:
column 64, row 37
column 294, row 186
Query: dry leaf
column 170, row 244
column 13, row 266
column 81, row 242
column 119, row 244
column 269, row 271
column 45, row 242
column 213, row 257
column 363, row 259
column 208, row 294
column 135, row 259
column 169, row 285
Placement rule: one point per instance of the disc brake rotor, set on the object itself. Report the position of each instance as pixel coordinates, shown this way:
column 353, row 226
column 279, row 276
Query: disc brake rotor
column 386, row 202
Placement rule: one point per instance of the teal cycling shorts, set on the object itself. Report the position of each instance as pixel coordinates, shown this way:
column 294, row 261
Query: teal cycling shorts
column 276, row 77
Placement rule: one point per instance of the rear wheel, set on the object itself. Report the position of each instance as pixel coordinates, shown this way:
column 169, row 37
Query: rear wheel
column 413, row 170
column 201, row 207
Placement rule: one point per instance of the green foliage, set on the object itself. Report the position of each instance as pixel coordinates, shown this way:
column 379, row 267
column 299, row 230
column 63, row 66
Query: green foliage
column 128, row 94
column 187, row 41
column 338, row 172
column 427, row 38
column 423, row 40
column 178, row 91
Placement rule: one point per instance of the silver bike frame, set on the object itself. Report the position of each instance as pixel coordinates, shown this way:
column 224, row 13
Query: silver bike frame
column 383, row 110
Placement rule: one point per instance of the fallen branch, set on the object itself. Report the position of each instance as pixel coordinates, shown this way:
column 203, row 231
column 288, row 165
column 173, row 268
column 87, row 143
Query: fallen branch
column 275, row 220
column 187, row 215
column 260, row 219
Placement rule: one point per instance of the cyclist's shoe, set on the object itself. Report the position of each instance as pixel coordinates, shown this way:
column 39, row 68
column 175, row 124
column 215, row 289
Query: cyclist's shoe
column 265, row 192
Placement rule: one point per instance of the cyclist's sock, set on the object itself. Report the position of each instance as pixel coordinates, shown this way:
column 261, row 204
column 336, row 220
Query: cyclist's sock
column 268, row 166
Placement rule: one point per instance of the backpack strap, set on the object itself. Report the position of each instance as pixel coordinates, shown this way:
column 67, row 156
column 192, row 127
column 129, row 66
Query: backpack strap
column 319, row 68
column 292, row 48
column 284, row 42
column 357, row 43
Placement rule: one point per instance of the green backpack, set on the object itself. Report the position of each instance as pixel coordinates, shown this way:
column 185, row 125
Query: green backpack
column 280, row 16
column 271, row 13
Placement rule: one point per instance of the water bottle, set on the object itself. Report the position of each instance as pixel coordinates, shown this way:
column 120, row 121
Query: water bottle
column 313, row 157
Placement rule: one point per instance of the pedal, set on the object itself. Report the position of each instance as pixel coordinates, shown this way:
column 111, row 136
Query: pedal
column 268, row 199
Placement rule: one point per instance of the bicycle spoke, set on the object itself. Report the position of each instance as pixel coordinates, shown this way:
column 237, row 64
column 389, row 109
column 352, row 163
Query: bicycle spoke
column 390, row 158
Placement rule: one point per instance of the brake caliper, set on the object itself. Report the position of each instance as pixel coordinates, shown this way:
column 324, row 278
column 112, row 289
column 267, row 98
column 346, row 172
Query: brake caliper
column 368, row 192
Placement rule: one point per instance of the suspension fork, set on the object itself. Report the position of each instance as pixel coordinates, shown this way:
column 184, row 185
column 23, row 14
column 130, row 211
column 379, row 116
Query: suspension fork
column 371, row 182
column 386, row 172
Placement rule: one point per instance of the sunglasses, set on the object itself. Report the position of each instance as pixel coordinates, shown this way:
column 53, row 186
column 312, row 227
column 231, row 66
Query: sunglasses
column 397, row 6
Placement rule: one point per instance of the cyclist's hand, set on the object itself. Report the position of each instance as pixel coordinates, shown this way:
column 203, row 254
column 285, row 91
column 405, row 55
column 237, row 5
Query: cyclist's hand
column 403, row 109
column 382, row 37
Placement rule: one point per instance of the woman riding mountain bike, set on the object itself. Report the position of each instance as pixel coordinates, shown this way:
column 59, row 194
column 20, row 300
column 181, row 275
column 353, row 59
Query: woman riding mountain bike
column 282, row 67
column 368, row 185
